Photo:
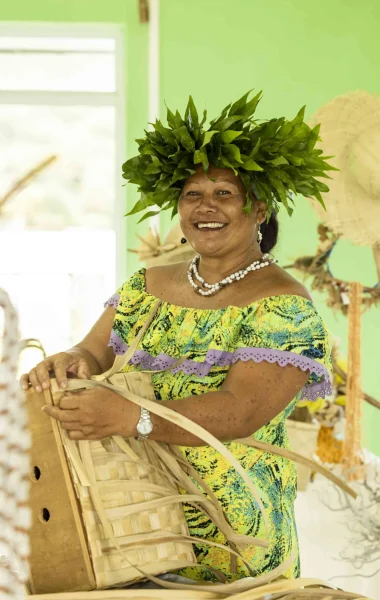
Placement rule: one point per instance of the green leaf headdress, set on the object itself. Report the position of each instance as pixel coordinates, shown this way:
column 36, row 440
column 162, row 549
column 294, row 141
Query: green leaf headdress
column 275, row 159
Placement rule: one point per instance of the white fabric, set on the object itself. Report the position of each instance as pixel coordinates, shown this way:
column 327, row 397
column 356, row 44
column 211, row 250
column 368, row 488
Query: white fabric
column 324, row 534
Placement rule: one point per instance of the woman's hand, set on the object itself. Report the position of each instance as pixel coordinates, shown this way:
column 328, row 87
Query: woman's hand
column 59, row 365
column 94, row 414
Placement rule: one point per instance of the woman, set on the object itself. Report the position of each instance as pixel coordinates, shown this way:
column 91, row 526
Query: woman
column 253, row 341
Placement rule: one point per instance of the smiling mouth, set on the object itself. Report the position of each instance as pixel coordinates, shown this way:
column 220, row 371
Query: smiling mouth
column 212, row 226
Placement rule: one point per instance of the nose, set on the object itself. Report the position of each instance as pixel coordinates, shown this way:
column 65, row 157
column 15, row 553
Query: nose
column 207, row 203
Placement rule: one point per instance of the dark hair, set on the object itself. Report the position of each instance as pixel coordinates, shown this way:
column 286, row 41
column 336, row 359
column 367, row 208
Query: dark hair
column 269, row 229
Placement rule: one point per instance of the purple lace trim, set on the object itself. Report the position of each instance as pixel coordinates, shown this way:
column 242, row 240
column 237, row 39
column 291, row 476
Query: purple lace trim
column 113, row 301
column 221, row 358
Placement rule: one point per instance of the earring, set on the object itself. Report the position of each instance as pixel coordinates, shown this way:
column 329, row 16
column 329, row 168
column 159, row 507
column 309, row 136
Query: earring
column 183, row 240
column 259, row 236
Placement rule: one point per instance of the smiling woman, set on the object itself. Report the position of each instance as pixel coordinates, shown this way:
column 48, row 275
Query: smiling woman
column 250, row 341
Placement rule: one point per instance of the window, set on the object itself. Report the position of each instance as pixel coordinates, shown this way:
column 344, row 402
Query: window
column 61, row 140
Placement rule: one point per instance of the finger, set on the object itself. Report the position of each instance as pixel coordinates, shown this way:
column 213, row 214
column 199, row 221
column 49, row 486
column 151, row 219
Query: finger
column 74, row 426
column 35, row 380
column 83, row 370
column 76, row 435
column 79, row 435
column 24, row 381
column 69, row 402
column 60, row 370
column 41, row 372
column 64, row 416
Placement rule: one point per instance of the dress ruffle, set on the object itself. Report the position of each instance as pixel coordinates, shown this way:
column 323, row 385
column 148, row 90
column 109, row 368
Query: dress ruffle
column 219, row 338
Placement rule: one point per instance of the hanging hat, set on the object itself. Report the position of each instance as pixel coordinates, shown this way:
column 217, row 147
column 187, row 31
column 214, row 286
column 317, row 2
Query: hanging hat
column 350, row 129
column 155, row 253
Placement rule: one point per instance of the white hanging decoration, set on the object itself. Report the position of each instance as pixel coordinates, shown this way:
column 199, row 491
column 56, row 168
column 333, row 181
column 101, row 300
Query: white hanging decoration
column 14, row 463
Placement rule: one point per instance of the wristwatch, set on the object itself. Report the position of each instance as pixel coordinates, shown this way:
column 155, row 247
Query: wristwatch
column 144, row 426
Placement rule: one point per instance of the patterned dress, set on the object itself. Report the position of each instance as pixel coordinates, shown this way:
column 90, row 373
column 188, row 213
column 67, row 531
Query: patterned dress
column 283, row 329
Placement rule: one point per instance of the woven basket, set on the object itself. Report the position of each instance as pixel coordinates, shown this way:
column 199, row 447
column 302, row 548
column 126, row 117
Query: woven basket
column 303, row 439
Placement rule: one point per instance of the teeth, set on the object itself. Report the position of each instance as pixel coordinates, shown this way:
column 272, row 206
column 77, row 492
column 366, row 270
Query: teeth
column 210, row 225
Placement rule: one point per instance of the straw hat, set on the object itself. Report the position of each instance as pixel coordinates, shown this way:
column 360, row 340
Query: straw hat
column 350, row 130
column 153, row 252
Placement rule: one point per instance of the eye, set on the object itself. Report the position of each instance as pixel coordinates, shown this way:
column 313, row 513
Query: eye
column 223, row 192
column 192, row 193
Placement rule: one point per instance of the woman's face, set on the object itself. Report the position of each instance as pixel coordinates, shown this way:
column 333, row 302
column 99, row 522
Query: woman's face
column 211, row 213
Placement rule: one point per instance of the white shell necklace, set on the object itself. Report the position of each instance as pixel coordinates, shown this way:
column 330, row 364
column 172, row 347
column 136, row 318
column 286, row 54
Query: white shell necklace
column 265, row 261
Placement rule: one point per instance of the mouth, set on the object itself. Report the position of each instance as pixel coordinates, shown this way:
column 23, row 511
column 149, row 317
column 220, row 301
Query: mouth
column 210, row 225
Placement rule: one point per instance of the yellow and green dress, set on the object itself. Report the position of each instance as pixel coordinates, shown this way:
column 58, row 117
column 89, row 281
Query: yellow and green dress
column 284, row 329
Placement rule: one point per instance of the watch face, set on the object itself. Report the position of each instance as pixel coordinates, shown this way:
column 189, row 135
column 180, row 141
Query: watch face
column 145, row 428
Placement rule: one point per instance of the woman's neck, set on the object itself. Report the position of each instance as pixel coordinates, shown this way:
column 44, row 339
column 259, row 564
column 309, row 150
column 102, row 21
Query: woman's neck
column 214, row 269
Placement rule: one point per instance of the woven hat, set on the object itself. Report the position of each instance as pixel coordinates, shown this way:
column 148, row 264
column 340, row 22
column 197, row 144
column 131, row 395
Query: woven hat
column 153, row 252
column 350, row 129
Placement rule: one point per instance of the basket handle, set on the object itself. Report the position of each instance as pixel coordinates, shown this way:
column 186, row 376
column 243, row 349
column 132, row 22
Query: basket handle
column 121, row 360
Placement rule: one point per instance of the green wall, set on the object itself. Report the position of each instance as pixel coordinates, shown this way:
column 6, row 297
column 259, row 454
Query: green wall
column 298, row 52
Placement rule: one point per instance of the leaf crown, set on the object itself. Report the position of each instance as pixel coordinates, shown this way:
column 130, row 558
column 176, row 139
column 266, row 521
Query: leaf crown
column 276, row 159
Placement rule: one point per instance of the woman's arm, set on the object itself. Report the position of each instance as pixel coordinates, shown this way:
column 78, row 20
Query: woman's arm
column 251, row 396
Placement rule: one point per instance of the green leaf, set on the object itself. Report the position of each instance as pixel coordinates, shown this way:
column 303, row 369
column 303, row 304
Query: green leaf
column 156, row 161
column 233, row 152
column 322, row 187
column 179, row 122
column 226, row 123
column 203, row 118
column 320, row 199
column 152, row 170
column 313, row 138
column 207, row 137
column 286, row 179
column 295, row 160
column 182, row 134
column 179, row 174
column 279, row 188
column 300, row 116
column 278, row 161
column 140, row 205
column 270, row 129
column 200, row 157
column 229, row 136
column 239, row 105
column 221, row 116
column 251, row 165
column 251, row 106
column 256, row 148
column 164, row 183
column 161, row 150
column 191, row 115
column 285, row 129
column 170, row 118
column 175, row 210
column 148, row 215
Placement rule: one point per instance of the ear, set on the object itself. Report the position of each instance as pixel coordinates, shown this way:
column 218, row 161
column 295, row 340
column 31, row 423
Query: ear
column 261, row 211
